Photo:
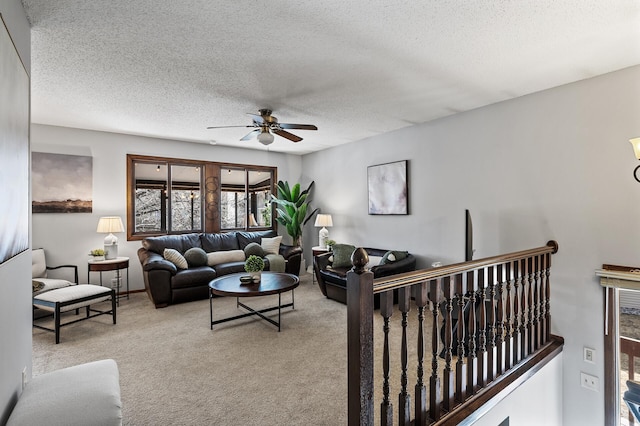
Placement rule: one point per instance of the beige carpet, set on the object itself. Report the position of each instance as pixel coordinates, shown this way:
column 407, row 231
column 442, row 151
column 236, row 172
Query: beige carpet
column 175, row 371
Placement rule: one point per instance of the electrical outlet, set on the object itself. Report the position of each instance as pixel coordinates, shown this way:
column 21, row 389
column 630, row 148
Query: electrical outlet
column 589, row 355
column 24, row 377
column 589, row 382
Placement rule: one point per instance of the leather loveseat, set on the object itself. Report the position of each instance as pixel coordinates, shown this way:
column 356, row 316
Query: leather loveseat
column 333, row 280
column 167, row 284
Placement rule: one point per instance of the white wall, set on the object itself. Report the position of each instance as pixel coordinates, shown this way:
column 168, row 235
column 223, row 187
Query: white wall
column 68, row 238
column 552, row 165
column 545, row 387
column 15, row 274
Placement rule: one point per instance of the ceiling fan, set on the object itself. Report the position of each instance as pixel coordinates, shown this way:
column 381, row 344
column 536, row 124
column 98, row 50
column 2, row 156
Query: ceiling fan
column 265, row 124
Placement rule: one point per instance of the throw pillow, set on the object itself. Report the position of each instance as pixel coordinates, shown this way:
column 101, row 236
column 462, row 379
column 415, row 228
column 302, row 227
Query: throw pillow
column 271, row 245
column 226, row 256
column 393, row 256
column 195, row 256
column 253, row 248
column 37, row 285
column 176, row 258
column 342, row 255
column 374, row 261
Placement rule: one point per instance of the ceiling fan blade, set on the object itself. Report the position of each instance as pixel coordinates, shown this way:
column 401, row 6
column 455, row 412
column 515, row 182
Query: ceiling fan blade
column 297, row 126
column 251, row 135
column 225, row 127
column 287, row 135
column 256, row 118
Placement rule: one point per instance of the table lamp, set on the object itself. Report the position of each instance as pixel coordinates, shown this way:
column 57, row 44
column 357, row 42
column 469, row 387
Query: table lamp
column 323, row 220
column 110, row 224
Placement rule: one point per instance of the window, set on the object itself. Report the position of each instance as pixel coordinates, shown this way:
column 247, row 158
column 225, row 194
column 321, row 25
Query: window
column 245, row 198
column 173, row 196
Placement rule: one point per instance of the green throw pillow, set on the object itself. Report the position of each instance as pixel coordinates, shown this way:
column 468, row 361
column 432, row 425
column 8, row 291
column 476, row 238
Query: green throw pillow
column 342, row 255
column 195, row 256
column 253, row 248
column 393, row 256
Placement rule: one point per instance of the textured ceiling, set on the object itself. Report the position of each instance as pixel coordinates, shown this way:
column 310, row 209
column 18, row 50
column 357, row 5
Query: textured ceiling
column 354, row 68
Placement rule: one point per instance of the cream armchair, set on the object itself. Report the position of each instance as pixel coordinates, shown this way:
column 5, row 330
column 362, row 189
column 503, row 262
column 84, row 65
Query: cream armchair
column 39, row 269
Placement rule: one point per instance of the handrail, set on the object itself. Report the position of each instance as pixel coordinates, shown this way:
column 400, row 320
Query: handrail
column 415, row 277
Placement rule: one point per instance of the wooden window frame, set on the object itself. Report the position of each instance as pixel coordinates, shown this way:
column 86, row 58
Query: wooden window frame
column 210, row 185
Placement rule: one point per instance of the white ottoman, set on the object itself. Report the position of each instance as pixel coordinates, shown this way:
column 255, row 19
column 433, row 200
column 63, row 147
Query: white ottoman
column 74, row 297
column 86, row 394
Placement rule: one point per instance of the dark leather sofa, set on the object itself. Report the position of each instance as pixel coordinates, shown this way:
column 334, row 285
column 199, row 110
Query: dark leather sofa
column 333, row 281
column 165, row 284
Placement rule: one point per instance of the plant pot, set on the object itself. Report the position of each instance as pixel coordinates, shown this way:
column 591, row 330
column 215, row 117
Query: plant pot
column 96, row 258
column 256, row 276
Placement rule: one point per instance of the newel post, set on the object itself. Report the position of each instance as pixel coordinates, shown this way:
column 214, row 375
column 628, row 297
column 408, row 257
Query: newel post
column 360, row 340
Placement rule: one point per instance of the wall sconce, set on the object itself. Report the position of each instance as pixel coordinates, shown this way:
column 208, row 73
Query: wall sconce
column 635, row 142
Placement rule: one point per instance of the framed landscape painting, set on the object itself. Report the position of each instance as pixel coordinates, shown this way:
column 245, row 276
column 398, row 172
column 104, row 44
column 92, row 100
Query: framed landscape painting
column 14, row 150
column 61, row 183
column 388, row 189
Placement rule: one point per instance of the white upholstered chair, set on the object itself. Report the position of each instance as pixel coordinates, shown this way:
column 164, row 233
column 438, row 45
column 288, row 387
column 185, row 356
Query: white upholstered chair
column 39, row 272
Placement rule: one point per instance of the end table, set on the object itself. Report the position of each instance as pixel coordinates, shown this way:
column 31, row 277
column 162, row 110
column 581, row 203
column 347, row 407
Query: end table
column 116, row 265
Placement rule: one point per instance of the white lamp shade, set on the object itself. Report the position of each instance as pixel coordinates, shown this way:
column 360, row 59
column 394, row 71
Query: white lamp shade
column 635, row 142
column 324, row 220
column 109, row 224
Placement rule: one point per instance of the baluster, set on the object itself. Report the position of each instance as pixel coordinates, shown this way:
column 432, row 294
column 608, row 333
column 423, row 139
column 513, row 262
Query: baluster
column 482, row 332
column 518, row 287
column 508, row 321
column 543, row 299
column 447, row 376
column 461, row 334
column 547, row 299
column 386, row 407
column 472, row 361
column 500, row 321
column 420, row 296
column 434, row 380
column 538, row 303
column 491, row 352
column 404, row 399
column 530, row 315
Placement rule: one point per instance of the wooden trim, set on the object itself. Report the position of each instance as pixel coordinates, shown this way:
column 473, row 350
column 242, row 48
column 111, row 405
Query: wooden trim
column 610, row 304
column 210, row 188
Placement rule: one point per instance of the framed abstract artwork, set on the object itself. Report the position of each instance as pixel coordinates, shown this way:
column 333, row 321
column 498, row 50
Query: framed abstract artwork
column 14, row 150
column 388, row 188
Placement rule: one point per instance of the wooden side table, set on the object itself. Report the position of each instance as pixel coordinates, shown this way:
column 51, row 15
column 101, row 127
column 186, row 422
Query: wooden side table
column 316, row 251
column 116, row 265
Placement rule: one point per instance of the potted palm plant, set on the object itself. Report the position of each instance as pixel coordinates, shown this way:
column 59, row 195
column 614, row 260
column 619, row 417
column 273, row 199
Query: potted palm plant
column 292, row 205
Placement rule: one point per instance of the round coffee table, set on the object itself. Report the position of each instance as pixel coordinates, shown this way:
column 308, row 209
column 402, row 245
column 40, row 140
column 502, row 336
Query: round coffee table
column 270, row 283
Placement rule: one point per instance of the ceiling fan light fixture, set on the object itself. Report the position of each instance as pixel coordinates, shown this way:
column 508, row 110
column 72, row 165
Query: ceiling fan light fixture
column 265, row 138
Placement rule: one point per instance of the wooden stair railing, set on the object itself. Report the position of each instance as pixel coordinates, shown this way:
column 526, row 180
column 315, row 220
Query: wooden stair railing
column 490, row 331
